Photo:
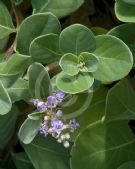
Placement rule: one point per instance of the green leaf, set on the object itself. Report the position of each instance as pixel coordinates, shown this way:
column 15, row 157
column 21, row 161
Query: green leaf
column 105, row 146
column 17, row 64
column 34, row 26
column 29, row 130
column 121, row 11
column 74, row 84
column 12, row 69
column 76, row 39
column 59, row 8
column 35, row 116
column 86, row 107
column 6, row 25
column 115, row 58
column 39, row 81
column 39, row 6
column 128, row 165
column 126, row 33
column 19, row 90
column 7, row 126
column 120, row 102
column 68, row 64
column 45, row 49
column 3, row 44
column 5, row 101
column 22, row 161
column 47, row 153
column 91, row 62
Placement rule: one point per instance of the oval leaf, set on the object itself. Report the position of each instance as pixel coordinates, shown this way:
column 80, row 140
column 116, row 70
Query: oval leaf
column 5, row 101
column 45, row 49
column 34, row 26
column 29, row 130
column 74, row 84
column 126, row 33
column 68, row 64
column 115, row 58
column 76, row 39
column 121, row 11
column 35, row 116
column 91, row 62
column 6, row 24
column 39, row 81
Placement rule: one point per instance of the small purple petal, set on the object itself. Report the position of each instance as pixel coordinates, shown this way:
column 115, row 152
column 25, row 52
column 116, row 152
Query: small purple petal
column 41, row 107
column 59, row 95
column 34, row 101
column 57, row 125
column 59, row 113
column 51, row 102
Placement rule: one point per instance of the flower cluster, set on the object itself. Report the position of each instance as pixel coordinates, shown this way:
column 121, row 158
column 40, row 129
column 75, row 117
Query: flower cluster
column 53, row 122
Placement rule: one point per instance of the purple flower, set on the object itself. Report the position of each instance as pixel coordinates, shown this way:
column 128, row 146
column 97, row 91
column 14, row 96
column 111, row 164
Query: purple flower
column 34, row 101
column 41, row 106
column 51, row 102
column 59, row 113
column 59, row 95
column 73, row 125
column 57, row 125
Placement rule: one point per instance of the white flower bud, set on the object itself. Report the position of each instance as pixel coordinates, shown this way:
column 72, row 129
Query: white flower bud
column 46, row 118
column 62, row 137
column 66, row 144
column 67, row 136
column 59, row 140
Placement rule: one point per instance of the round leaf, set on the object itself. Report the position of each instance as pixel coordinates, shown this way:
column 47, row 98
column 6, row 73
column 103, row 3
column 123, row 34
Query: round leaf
column 34, row 26
column 125, row 10
column 45, row 49
column 115, row 58
column 35, row 116
column 68, row 64
column 126, row 32
column 76, row 39
column 74, row 84
column 91, row 62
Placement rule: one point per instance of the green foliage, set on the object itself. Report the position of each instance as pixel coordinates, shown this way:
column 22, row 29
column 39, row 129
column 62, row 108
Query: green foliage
column 6, row 25
column 122, row 13
column 125, row 32
column 91, row 65
column 103, row 146
column 45, row 49
column 47, row 153
column 39, row 81
column 33, row 26
column 57, row 7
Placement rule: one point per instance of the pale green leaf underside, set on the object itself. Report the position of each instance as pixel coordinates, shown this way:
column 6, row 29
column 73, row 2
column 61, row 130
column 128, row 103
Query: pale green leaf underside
column 74, row 84
column 68, row 64
column 121, row 11
column 29, row 130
